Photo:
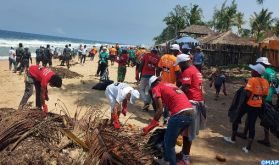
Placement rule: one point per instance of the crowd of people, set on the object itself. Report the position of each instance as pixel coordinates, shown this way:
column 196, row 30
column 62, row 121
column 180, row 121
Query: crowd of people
column 171, row 82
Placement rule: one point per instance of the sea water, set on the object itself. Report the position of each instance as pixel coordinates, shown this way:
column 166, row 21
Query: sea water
column 10, row 39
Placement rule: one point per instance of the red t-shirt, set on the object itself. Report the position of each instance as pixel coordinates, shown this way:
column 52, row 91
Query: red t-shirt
column 192, row 77
column 41, row 74
column 123, row 59
column 173, row 98
column 150, row 63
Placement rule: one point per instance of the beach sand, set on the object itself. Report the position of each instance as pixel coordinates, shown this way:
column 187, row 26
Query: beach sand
column 78, row 91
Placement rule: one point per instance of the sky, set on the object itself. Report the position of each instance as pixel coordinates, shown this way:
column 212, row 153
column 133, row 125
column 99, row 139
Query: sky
column 123, row 21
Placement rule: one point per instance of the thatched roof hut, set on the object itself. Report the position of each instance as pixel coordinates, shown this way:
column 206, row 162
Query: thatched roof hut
column 198, row 30
column 274, row 37
column 226, row 38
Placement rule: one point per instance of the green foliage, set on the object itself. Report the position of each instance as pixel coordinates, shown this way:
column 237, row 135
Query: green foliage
column 260, row 2
column 260, row 23
column 178, row 19
column 226, row 17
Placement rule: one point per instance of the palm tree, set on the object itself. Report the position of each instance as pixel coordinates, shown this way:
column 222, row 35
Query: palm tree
column 226, row 17
column 194, row 17
column 260, row 23
column 275, row 28
column 239, row 21
column 260, row 2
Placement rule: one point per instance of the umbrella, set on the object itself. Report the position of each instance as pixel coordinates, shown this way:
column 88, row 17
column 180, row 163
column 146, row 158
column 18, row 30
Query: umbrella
column 187, row 39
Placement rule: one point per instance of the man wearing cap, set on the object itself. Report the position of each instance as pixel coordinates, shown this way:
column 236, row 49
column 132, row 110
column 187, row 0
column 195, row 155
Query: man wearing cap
column 175, row 49
column 147, row 69
column 271, row 76
column 181, row 114
column 257, row 89
column 190, row 82
column 117, row 94
column 198, row 58
column 186, row 49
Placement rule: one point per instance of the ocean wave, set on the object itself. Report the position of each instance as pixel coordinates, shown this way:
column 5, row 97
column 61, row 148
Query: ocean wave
column 37, row 43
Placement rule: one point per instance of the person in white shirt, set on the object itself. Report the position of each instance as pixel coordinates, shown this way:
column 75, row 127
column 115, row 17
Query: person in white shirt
column 83, row 54
column 117, row 94
column 12, row 58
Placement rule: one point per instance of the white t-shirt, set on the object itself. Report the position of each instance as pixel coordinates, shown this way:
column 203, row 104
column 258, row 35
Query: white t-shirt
column 119, row 91
column 12, row 53
column 84, row 51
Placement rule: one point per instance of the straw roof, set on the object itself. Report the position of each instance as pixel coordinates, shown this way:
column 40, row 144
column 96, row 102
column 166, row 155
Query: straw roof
column 274, row 37
column 228, row 38
column 197, row 29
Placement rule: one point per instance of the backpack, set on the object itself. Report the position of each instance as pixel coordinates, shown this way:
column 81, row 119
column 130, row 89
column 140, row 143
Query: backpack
column 102, row 85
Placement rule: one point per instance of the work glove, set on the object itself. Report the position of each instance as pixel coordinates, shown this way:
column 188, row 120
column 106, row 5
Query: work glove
column 116, row 122
column 45, row 108
column 151, row 126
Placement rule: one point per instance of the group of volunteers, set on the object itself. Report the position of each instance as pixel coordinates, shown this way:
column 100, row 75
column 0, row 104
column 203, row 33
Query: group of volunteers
column 19, row 58
column 174, row 86
column 172, row 83
column 257, row 91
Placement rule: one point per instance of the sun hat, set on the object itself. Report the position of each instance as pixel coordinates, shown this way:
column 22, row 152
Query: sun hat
column 175, row 47
column 263, row 60
column 152, row 80
column 198, row 48
column 258, row 68
column 181, row 58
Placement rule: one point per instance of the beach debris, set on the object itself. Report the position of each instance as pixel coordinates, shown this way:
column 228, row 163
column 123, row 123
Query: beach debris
column 66, row 73
column 221, row 158
column 86, row 137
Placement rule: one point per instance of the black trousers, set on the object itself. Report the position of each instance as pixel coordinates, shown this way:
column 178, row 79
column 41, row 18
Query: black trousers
column 83, row 57
column 252, row 115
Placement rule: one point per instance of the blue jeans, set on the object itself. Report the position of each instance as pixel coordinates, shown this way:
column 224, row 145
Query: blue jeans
column 176, row 125
column 144, row 87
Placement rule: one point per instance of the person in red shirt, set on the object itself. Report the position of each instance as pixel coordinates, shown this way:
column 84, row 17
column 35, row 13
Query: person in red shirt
column 40, row 77
column 147, row 69
column 122, row 62
column 180, row 109
column 190, row 81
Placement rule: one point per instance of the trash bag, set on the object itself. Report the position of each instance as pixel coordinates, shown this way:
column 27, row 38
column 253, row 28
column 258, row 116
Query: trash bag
column 238, row 103
column 270, row 118
column 155, row 143
column 102, row 85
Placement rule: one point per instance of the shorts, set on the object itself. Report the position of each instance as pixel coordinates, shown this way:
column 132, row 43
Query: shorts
column 198, row 122
column 111, row 100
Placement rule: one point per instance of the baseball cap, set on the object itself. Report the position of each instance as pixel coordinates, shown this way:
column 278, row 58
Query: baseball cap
column 258, row 68
column 134, row 95
column 186, row 46
column 175, row 47
column 152, row 80
column 181, row 58
column 263, row 60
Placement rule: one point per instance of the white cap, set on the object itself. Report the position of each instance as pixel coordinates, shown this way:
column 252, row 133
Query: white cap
column 134, row 95
column 181, row 58
column 152, row 80
column 175, row 47
column 263, row 60
column 258, row 68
